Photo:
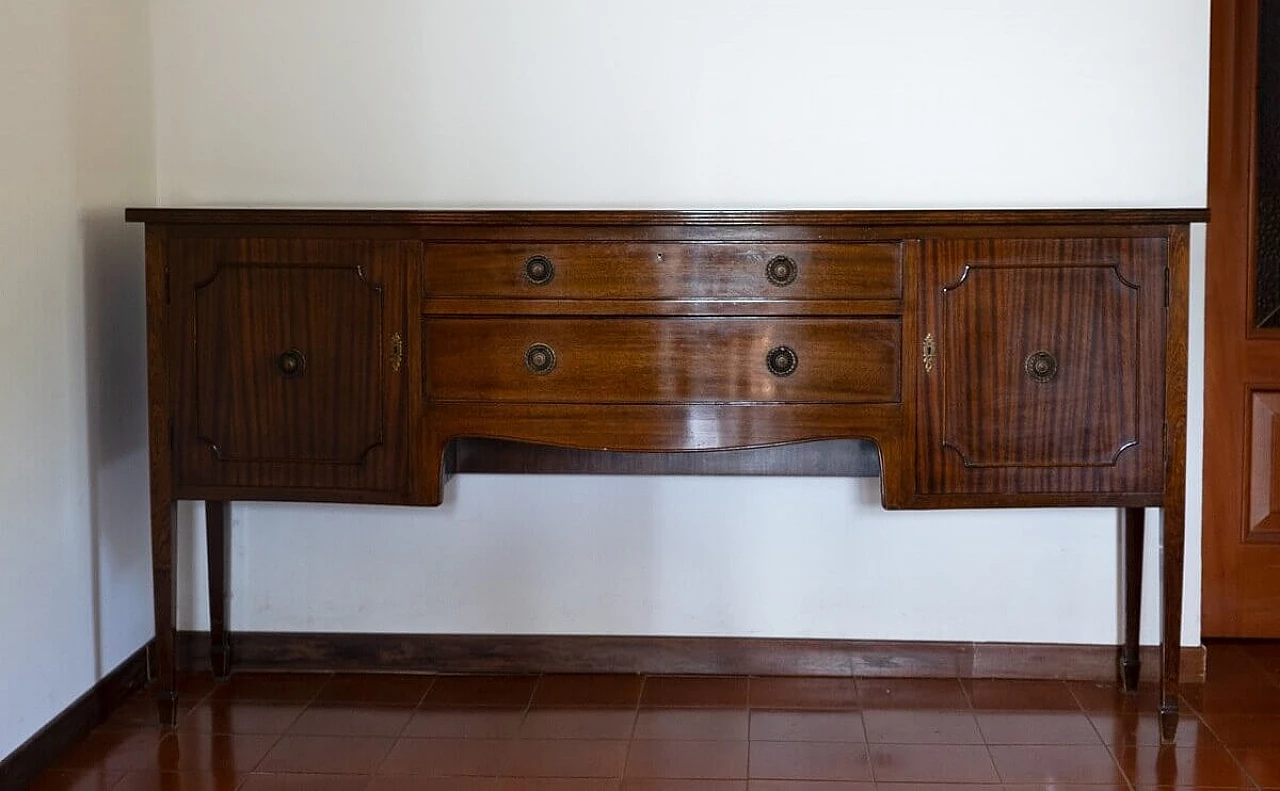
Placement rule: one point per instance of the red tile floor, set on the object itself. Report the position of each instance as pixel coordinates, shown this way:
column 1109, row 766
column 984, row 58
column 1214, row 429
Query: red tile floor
column 262, row 731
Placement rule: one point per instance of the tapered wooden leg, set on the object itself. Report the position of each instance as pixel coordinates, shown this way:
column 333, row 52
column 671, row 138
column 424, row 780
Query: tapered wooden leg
column 1173, row 514
column 1133, row 535
column 217, row 539
column 164, row 668
column 1171, row 559
column 163, row 511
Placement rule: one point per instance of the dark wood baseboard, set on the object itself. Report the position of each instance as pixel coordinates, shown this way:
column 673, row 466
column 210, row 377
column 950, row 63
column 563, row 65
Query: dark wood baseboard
column 74, row 723
column 750, row 656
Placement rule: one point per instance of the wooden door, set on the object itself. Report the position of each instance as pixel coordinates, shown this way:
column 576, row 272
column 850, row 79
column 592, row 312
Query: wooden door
column 294, row 381
column 1046, row 370
column 1241, row 596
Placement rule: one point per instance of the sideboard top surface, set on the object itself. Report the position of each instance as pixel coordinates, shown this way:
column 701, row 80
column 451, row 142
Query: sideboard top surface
column 604, row 218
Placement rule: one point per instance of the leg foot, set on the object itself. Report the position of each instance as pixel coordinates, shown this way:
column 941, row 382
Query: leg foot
column 1168, row 722
column 1132, row 535
column 1130, row 670
column 220, row 659
column 164, row 668
column 167, row 708
column 217, row 536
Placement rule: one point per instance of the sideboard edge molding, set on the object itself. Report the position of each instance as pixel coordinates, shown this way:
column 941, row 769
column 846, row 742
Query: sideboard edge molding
column 631, row 217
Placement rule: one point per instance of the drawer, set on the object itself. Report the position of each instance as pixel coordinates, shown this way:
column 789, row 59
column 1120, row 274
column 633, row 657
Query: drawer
column 663, row 360
column 677, row 270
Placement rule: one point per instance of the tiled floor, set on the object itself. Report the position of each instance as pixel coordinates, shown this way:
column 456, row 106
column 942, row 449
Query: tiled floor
column 259, row 732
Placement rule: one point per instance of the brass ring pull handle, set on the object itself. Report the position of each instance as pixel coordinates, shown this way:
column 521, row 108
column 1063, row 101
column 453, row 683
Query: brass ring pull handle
column 782, row 361
column 1041, row 366
column 781, row 270
column 539, row 270
column 540, row 359
column 291, row 364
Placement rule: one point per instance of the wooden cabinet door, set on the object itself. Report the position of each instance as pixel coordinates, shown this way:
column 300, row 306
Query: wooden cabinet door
column 1042, row 367
column 292, row 364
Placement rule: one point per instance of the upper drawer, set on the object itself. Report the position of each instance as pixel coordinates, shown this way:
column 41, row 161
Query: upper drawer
column 665, row 270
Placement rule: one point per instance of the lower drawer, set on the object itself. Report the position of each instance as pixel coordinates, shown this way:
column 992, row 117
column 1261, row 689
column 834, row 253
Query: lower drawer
column 663, row 360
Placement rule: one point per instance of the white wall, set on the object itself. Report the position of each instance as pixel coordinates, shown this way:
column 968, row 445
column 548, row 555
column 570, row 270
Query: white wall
column 683, row 103
column 75, row 147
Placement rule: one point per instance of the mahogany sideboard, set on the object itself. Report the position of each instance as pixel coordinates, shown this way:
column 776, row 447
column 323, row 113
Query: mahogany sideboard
column 994, row 358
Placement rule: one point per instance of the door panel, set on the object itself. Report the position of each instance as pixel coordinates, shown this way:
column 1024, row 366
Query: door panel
column 1266, row 165
column 285, row 350
column 294, row 374
column 1043, row 377
column 1263, row 524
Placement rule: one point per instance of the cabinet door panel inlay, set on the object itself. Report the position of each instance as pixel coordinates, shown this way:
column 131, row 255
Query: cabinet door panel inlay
column 289, row 377
column 252, row 319
column 1016, row 420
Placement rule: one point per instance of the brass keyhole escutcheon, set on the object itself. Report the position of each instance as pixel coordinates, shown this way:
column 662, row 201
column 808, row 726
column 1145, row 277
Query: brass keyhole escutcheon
column 929, row 352
column 539, row 270
column 397, row 352
column 540, row 359
column 782, row 361
column 781, row 270
column 291, row 364
column 1041, row 366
